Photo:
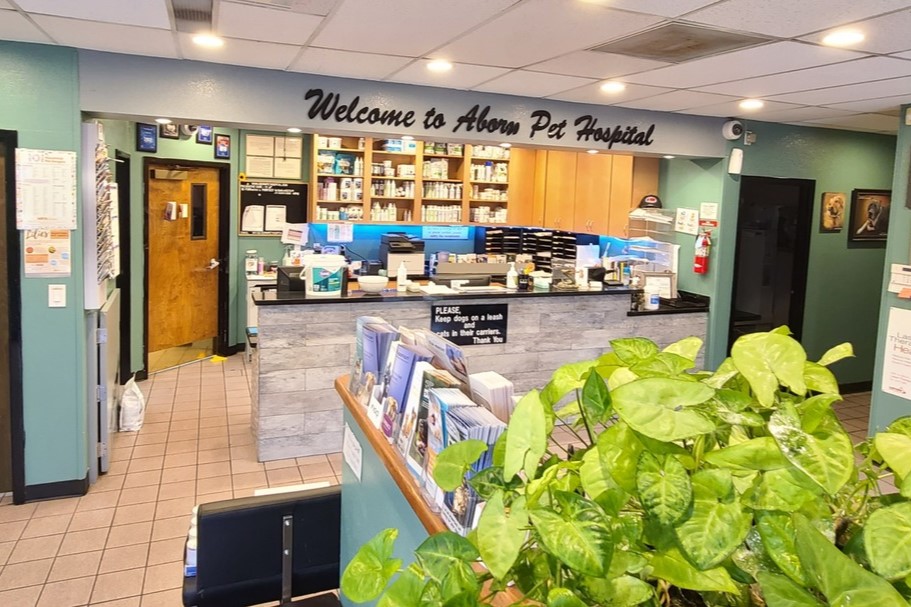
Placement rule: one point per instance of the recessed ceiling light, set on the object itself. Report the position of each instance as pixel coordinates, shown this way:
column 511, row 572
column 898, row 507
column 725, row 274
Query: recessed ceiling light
column 669, row 156
column 751, row 104
column 208, row 40
column 439, row 65
column 613, row 87
column 293, row 129
column 407, row 137
column 506, row 145
column 592, row 151
column 163, row 120
column 843, row 38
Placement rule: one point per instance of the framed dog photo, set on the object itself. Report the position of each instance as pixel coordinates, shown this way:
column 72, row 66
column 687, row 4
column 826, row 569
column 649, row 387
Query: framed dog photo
column 832, row 212
column 223, row 146
column 204, row 134
column 169, row 131
column 869, row 215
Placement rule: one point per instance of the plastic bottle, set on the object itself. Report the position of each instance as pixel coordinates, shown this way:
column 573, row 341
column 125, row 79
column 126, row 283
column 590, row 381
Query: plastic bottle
column 250, row 262
column 401, row 278
column 512, row 277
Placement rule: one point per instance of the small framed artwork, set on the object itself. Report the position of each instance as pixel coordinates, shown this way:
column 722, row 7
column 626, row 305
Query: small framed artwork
column 146, row 137
column 869, row 215
column 222, row 146
column 169, row 131
column 204, row 134
column 832, row 212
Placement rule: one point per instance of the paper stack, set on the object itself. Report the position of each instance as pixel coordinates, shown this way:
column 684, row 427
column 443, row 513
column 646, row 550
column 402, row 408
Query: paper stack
column 492, row 390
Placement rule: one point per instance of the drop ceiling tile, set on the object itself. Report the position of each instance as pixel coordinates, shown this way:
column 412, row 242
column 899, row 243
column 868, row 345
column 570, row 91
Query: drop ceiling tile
column 747, row 63
column 150, row 13
column 678, row 100
column 851, row 92
column 593, row 94
column 461, row 76
column 849, row 72
column 655, row 7
column 402, row 27
column 532, row 84
column 863, row 122
column 882, row 105
column 109, row 37
column 787, row 18
column 309, row 7
column 802, row 113
column 4, row 5
column 241, row 52
column 731, row 109
column 14, row 26
column 538, row 30
column 347, row 63
column 887, row 34
column 264, row 24
column 905, row 55
column 590, row 64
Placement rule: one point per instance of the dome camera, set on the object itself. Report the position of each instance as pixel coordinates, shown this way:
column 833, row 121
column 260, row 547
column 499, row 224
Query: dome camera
column 732, row 129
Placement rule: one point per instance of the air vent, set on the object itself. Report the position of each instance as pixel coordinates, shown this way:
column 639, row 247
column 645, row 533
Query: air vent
column 308, row 7
column 192, row 15
column 677, row 42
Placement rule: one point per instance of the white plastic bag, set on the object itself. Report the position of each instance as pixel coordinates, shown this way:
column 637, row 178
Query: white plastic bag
column 132, row 407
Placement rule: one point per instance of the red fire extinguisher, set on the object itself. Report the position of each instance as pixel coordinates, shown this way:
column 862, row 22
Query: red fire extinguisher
column 703, row 248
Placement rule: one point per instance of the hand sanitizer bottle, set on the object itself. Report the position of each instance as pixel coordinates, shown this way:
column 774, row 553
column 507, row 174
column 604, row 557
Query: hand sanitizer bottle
column 512, row 277
column 401, row 278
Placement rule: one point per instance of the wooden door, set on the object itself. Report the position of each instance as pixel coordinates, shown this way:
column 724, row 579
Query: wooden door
column 593, row 190
column 560, row 190
column 6, row 447
column 183, row 289
column 521, row 186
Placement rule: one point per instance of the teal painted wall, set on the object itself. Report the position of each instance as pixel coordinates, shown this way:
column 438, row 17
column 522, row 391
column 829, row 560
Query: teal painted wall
column 887, row 407
column 843, row 283
column 39, row 98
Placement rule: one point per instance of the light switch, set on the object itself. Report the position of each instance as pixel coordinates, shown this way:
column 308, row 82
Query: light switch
column 56, row 296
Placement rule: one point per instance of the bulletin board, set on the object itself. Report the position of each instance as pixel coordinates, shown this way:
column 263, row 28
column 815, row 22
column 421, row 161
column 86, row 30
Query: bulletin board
column 266, row 205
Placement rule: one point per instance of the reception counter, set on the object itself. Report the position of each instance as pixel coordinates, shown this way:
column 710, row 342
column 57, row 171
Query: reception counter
column 304, row 344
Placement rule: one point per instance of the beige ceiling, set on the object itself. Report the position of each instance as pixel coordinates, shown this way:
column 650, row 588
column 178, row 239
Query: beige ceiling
column 535, row 48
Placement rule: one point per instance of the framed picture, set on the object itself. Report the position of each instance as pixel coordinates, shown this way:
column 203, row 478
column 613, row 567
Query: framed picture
column 204, row 134
column 222, row 146
column 869, row 215
column 146, row 137
column 169, row 131
column 832, row 212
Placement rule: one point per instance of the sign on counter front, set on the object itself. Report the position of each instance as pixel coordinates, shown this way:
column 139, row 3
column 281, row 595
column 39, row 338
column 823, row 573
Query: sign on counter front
column 470, row 325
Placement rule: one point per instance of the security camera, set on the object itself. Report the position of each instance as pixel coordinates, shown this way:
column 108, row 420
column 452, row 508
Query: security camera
column 732, row 129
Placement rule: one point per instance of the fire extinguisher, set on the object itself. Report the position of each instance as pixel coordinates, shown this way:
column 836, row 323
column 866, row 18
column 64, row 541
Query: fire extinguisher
column 703, row 248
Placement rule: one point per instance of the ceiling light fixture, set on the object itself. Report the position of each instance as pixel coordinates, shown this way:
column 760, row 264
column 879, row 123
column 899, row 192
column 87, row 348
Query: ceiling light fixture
column 506, row 145
column 439, row 65
column 843, row 38
column 592, row 151
column 613, row 87
column 293, row 129
column 751, row 104
column 407, row 137
column 208, row 40
column 669, row 157
column 163, row 120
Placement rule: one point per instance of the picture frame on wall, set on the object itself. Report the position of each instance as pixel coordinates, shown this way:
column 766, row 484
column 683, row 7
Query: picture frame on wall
column 222, row 146
column 869, row 221
column 169, row 131
column 204, row 134
column 146, row 137
column 832, row 212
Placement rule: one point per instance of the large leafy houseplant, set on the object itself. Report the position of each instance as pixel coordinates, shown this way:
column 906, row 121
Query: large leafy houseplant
column 735, row 487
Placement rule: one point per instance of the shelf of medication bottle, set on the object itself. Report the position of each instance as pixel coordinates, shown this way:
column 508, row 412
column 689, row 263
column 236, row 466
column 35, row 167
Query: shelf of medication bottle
column 428, row 199
column 490, row 182
column 321, row 149
column 376, row 197
column 426, row 155
column 368, row 220
column 481, row 200
column 394, row 153
column 340, row 201
column 446, row 180
column 382, row 177
column 484, row 158
column 339, row 175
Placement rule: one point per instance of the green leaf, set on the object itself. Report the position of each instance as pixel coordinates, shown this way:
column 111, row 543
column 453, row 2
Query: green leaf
column 526, row 439
column 833, row 355
column 902, row 425
column 577, row 536
column 405, row 591
column 767, row 360
column 662, row 364
column 782, row 330
column 725, row 372
column 620, row 377
column 896, row 450
column 786, row 489
column 819, row 379
column 371, row 568
column 717, row 524
column 887, row 541
column 841, row 580
column 501, row 533
column 778, row 537
column 567, row 378
column 596, row 400
column 732, row 407
column 599, row 484
column 756, row 454
column 499, row 450
column 825, row 455
column 620, row 591
column 688, row 348
column 658, row 407
column 454, row 461
column 563, row 597
column 813, row 410
column 670, row 565
column 459, row 579
column 633, row 349
column 618, row 449
column 442, row 551
column 664, row 487
column 779, row 591
column 465, row 599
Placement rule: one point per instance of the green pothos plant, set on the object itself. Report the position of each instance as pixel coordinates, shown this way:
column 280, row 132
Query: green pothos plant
column 729, row 488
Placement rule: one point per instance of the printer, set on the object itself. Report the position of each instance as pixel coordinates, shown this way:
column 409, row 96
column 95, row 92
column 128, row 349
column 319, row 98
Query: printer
column 398, row 247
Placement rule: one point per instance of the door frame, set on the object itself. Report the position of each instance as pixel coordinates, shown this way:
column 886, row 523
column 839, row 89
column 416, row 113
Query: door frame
column 806, row 196
column 14, row 292
column 222, row 347
column 122, row 178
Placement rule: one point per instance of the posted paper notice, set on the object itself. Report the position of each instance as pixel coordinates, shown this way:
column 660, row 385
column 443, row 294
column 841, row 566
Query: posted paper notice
column 352, row 452
column 897, row 355
column 47, row 252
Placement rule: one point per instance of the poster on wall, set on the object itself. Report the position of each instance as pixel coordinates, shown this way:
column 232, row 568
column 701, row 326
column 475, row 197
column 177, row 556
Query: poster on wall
column 897, row 355
column 47, row 253
column 45, row 189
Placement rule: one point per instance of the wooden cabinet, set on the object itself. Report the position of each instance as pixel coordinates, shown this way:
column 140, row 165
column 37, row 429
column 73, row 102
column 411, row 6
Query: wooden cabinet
column 593, row 193
column 560, row 190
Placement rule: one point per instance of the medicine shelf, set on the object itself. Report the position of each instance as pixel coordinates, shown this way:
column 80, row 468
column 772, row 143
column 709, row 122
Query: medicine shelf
column 340, row 201
column 490, row 182
column 429, row 199
column 443, row 156
column 339, row 175
column 355, row 150
column 381, row 177
column 441, row 179
column 394, row 153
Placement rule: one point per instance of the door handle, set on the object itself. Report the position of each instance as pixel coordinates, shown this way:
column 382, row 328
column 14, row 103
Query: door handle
column 213, row 263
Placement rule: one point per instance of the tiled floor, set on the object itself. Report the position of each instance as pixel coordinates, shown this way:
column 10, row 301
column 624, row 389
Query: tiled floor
column 180, row 355
column 121, row 545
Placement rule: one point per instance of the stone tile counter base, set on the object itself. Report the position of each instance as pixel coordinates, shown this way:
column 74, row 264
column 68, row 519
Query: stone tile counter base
column 304, row 347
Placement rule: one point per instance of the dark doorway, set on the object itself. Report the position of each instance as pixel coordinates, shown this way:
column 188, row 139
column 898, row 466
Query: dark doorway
column 773, row 247
column 122, row 179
